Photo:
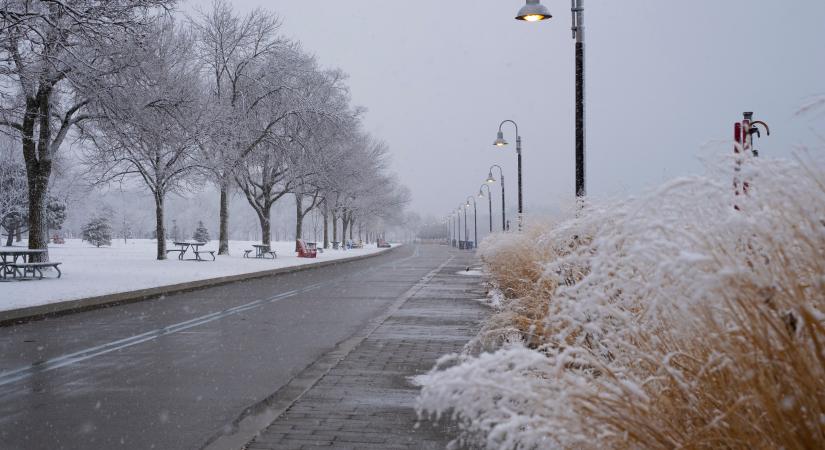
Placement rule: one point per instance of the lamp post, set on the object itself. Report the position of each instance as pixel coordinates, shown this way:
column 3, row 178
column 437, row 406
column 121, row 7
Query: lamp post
column 500, row 142
column 489, row 202
column 491, row 180
column 458, row 228
column 475, row 219
column 534, row 11
column 449, row 224
column 466, row 230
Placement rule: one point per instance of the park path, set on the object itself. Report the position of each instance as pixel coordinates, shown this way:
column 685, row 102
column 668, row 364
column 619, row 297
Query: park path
column 366, row 400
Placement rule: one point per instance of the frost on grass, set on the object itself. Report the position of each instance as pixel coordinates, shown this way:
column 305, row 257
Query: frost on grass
column 669, row 320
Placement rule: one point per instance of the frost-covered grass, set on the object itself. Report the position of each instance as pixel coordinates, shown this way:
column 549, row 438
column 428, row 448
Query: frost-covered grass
column 89, row 271
column 671, row 320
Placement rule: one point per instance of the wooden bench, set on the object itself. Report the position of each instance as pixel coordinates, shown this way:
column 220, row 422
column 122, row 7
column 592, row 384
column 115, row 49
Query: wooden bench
column 180, row 252
column 198, row 254
column 35, row 268
column 246, row 253
column 272, row 253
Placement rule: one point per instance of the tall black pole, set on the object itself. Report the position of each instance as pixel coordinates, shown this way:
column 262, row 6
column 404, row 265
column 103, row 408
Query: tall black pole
column 466, row 229
column 503, row 206
column 459, row 229
column 520, row 204
column 489, row 203
column 475, row 224
column 578, row 33
column 455, row 234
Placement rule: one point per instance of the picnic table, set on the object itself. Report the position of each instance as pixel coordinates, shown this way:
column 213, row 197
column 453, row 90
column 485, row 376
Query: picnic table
column 183, row 246
column 9, row 264
column 261, row 251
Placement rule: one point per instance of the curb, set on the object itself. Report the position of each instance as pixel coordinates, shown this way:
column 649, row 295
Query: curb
column 22, row 315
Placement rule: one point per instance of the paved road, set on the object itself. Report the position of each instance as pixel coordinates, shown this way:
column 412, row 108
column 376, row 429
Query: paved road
column 169, row 373
column 366, row 401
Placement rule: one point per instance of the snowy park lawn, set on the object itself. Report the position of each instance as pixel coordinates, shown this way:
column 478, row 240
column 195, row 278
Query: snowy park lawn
column 89, row 271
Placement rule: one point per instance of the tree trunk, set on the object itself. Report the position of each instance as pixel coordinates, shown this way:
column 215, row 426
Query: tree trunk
column 326, row 225
column 266, row 226
column 18, row 231
column 351, row 226
column 159, row 230
column 9, row 239
column 38, row 168
column 344, row 229
column 334, row 226
column 223, row 234
column 299, row 218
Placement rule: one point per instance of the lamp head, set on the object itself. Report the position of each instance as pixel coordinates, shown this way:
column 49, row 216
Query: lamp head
column 500, row 142
column 480, row 193
column 533, row 11
column 490, row 178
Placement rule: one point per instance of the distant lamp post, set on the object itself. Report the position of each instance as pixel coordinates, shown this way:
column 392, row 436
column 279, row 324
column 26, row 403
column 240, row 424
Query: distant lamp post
column 491, row 180
column 458, row 227
column 475, row 219
column 489, row 201
column 449, row 220
column 534, row 12
column 466, row 229
column 500, row 142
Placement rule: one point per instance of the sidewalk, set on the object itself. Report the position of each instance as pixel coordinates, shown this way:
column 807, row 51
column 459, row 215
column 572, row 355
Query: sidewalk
column 366, row 401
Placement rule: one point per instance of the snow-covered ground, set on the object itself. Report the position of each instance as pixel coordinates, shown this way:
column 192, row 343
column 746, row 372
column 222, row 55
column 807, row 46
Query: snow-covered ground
column 89, row 271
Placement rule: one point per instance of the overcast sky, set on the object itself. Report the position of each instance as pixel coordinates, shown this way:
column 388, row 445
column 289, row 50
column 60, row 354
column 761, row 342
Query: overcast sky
column 664, row 80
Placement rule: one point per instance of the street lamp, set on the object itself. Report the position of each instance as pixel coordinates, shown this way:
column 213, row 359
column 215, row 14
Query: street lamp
column 500, row 142
column 489, row 201
column 466, row 230
column 491, row 180
column 534, row 12
column 475, row 219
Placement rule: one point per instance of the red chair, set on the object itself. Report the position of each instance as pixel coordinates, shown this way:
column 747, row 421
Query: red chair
column 307, row 249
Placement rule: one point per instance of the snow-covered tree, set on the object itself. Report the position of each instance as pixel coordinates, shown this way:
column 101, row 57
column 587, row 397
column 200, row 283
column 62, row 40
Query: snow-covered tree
column 97, row 231
column 146, row 128
column 53, row 57
column 14, row 205
column 231, row 49
column 13, row 193
column 201, row 233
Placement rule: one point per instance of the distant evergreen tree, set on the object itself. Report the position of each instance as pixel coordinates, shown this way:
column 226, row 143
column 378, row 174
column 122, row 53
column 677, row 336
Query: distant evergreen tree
column 201, row 233
column 97, row 232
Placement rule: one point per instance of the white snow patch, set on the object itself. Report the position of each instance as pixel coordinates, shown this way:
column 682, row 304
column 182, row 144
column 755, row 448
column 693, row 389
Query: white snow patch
column 89, row 271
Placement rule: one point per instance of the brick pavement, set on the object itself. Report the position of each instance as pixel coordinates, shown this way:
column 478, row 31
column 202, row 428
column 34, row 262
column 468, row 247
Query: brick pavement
column 366, row 400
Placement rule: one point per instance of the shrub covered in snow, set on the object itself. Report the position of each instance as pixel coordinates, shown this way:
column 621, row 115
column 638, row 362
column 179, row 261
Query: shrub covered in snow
column 201, row 233
column 97, row 232
column 665, row 321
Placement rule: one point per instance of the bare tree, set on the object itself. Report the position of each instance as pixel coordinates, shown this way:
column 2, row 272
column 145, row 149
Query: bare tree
column 147, row 125
column 51, row 54
column 232, row 49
